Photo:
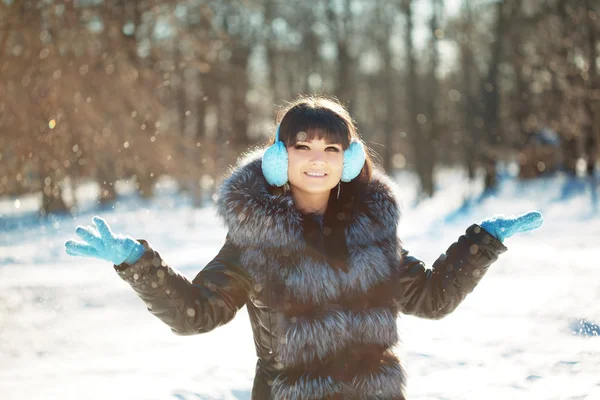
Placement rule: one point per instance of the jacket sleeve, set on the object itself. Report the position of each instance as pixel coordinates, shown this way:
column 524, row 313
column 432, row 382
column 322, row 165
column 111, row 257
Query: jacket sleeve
column 210, row 300
column 435, row 292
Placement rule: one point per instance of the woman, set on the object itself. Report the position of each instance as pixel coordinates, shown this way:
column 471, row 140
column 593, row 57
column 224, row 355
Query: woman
column 312, row 250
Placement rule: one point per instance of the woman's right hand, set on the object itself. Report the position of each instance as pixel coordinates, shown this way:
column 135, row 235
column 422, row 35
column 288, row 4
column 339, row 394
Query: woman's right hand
column 104, row 244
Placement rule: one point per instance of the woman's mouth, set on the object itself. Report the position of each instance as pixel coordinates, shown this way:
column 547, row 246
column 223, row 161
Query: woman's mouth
column 316, row 174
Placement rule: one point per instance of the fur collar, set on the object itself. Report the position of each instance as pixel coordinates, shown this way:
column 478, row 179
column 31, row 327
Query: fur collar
column 315, row 318
column 257, row 218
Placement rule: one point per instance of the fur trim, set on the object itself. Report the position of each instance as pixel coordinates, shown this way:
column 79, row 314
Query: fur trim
column 368, row 266
column 387, row 383
column 306, row 388
column 315, row 281
column 312, row 282
column 308, row 339
column 259, row 221
column 255, row 217
column 320, row 310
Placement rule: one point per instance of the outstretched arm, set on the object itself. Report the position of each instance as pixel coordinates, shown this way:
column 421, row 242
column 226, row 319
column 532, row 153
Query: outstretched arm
column 436, row 292
column 212, row 299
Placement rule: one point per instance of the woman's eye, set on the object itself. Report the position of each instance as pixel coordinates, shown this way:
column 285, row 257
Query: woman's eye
column 305, row 147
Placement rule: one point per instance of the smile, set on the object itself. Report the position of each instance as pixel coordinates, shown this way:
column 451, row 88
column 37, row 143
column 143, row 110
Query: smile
column 316, row 174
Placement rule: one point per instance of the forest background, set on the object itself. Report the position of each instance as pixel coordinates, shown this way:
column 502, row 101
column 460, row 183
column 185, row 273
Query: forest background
column 108, row 90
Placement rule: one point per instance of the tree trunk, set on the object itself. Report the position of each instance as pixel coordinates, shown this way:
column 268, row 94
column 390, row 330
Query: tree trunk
column 180, row 92
column 145, row 185
column 491, row 98
column 415, row 131
column 593, row 143
column 52, row 199
column 196, row 151
column 570, row 135
column 342, row 32
column 269, row 11
column 433, row 127
column 470, row 107
column 239, row 63
column 385, row 20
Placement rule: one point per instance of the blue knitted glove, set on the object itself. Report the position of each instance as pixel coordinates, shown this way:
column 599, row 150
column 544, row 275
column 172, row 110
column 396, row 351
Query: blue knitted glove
column 104, row 244
column 502, row 227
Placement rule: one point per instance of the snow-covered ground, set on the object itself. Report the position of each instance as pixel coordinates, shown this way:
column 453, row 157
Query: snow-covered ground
column 70, row 328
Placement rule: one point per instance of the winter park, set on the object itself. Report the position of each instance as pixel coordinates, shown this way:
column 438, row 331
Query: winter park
column 278, row 200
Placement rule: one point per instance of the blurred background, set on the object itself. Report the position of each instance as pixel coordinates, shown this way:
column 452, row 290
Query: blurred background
column 113, row 90
column 135, row 109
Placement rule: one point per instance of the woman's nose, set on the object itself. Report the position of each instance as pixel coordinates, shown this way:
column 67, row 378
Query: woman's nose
column 317, row 158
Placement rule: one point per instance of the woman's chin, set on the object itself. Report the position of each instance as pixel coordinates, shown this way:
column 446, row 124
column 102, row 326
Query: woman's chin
column 314, row 187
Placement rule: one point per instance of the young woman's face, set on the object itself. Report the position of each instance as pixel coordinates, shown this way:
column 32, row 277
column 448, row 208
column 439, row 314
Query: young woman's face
column 315, row 166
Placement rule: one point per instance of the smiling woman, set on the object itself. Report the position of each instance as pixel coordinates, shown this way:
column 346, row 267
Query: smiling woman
column 314, row 168
column 318, row 134
column 313, row 251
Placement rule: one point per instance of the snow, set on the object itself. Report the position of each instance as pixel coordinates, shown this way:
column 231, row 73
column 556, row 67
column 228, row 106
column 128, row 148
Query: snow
column 70, row 328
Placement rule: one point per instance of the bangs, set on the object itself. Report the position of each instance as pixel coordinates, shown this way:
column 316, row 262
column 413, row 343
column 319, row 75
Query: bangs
column 309, row 124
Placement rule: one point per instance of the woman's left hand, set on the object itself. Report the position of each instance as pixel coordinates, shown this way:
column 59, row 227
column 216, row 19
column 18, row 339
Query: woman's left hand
column 502, row 227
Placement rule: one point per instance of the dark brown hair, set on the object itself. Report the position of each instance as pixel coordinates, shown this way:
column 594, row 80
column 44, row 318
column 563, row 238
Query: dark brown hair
column 321, row 117
column 324, row 118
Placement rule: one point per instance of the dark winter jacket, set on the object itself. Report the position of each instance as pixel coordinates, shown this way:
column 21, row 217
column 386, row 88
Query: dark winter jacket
column 320, row 333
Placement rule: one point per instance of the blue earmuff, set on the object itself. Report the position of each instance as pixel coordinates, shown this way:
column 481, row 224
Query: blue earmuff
column 275, row 162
